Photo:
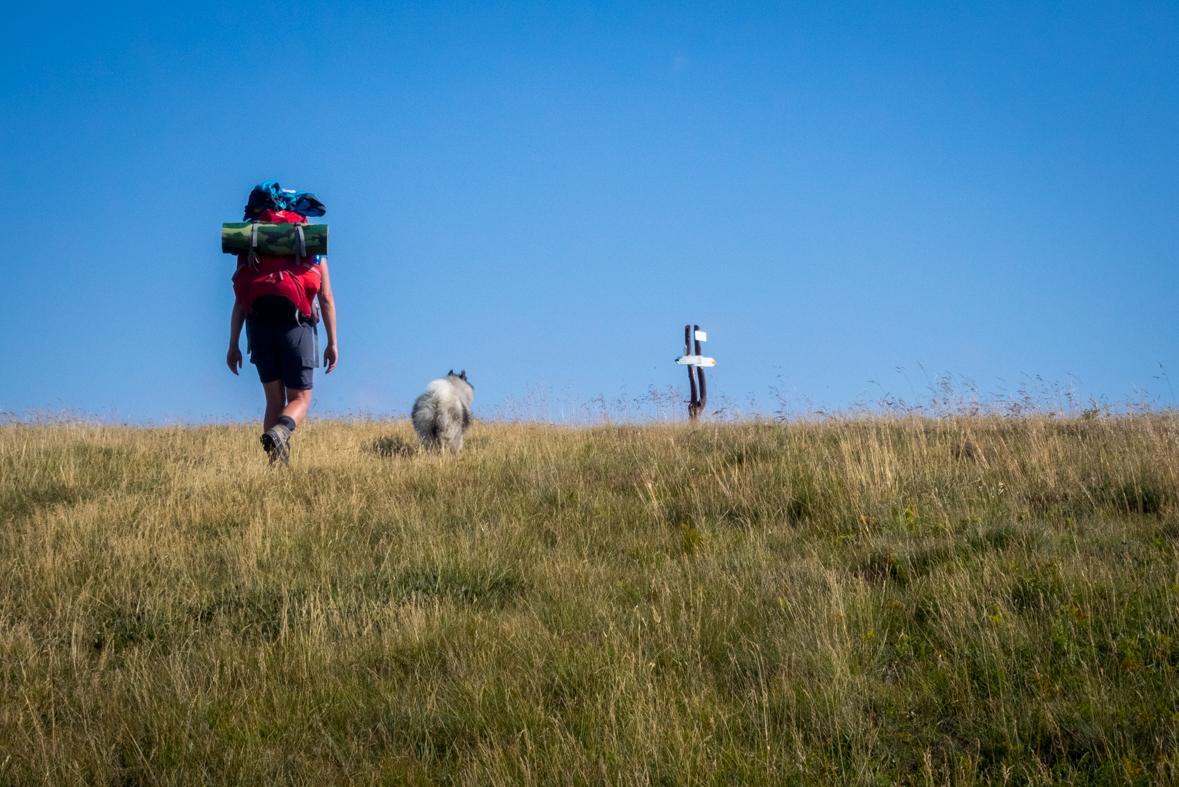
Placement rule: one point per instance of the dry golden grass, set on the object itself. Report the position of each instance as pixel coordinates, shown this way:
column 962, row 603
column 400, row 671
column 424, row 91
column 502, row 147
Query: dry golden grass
column 872, row 601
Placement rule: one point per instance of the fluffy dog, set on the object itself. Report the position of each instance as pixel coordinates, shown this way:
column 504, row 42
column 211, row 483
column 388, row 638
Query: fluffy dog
column 443, row 412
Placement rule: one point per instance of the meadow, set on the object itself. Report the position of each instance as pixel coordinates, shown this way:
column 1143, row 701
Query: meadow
column 859, row 600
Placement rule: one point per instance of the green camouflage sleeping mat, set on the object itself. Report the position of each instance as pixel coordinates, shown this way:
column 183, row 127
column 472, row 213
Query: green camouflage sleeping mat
column 274, row 240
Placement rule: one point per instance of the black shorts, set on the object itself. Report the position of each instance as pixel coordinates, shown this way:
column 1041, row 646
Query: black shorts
column 282, row 352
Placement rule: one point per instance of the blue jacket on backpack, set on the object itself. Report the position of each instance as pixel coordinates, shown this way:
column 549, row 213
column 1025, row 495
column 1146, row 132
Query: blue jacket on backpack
column 270, row 196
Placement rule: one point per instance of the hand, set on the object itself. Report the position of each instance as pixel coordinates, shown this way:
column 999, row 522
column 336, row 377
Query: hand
column 330, row 357
column 234, row 359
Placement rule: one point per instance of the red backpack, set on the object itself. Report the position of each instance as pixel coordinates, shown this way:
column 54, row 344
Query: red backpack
column 296, row 279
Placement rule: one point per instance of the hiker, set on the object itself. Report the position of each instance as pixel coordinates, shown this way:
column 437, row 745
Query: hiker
column 279, row 299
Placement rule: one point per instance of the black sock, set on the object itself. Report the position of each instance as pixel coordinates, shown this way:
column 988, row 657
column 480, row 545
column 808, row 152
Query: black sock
column 287, row 421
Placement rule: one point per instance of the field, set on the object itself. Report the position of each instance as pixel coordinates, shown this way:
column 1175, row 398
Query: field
column 869, row 600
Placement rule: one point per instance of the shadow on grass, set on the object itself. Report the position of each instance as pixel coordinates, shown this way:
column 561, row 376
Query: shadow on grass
column 393, row 447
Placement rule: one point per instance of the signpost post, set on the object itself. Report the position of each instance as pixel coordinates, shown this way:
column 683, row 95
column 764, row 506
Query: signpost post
column 698, row 362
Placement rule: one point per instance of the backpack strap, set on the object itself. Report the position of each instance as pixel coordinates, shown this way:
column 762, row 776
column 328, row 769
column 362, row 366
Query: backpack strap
column 315, row 328
column 314, row 323
column 300, row 245
column 253, row 255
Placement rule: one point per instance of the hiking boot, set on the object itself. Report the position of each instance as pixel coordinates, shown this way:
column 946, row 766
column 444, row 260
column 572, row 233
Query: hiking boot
column 276, row 441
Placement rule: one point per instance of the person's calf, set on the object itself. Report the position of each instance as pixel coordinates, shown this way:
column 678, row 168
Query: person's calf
column 276, row 399
column 298, row 402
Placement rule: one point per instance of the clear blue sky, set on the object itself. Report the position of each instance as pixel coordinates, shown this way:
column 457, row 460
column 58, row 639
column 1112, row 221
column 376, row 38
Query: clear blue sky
column 544, row 194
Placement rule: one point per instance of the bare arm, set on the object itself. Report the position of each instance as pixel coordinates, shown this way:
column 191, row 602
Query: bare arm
column 327, row 307
column 234, row 357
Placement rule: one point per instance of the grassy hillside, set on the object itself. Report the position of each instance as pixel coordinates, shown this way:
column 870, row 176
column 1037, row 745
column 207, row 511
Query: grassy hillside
column 963, row 601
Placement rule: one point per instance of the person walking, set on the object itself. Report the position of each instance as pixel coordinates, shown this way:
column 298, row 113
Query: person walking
column 279, row 301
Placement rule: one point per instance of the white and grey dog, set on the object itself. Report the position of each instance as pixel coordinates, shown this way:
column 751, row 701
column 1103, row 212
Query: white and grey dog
column 443, row 412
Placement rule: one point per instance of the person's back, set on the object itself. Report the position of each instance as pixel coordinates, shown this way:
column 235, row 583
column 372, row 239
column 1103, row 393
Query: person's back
column 279, row 300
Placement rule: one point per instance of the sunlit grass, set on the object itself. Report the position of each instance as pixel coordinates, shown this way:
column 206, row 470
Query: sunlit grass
column 867, row 601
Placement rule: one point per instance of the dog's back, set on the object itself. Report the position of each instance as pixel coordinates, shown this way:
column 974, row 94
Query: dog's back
column 443, row 412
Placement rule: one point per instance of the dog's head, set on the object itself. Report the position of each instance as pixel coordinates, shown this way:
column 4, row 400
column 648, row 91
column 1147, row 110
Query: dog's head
column 460, row 376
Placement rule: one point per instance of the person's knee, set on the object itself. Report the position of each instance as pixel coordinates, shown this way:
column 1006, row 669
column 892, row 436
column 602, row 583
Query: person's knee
column 301, row 395
column 276, row 393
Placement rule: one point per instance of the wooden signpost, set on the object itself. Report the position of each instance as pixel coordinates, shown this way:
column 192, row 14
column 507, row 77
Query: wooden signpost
column 697, row 362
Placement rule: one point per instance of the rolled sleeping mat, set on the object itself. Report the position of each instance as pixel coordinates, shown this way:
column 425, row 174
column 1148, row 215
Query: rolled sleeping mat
column 274, row 240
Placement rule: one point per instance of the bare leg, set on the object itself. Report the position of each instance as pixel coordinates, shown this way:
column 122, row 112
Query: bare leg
column 280, row 400
column 276, row 399
column 298, row 400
